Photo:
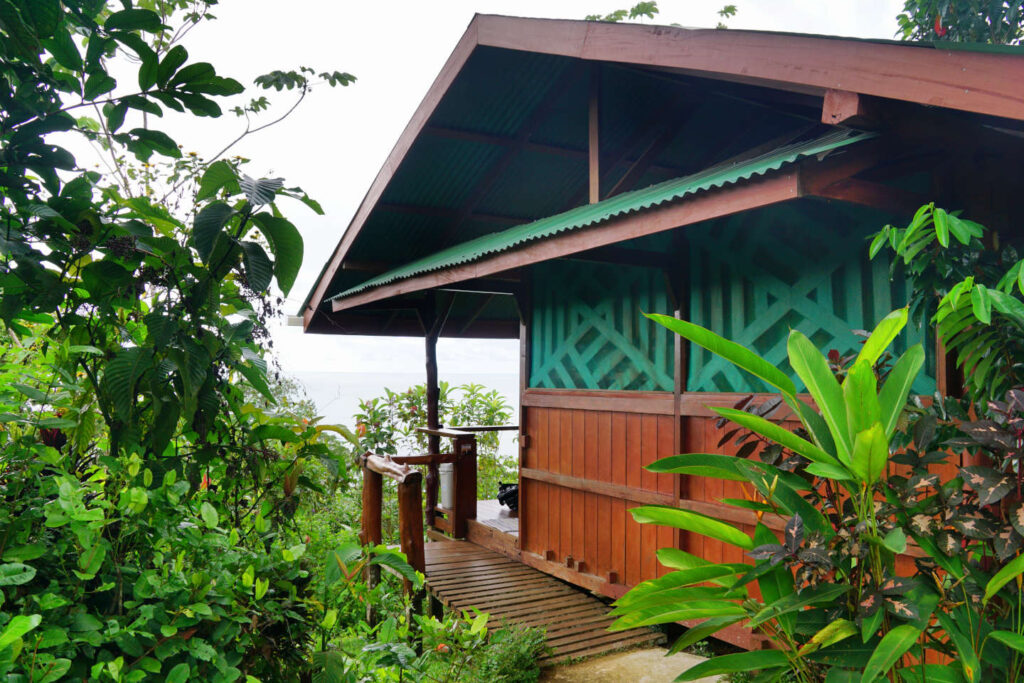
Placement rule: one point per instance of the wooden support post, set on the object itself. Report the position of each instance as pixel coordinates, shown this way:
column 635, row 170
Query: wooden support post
column 371, row 528
column 410, row 522
column 465, row 484
column 594, row 147
column 433, row 441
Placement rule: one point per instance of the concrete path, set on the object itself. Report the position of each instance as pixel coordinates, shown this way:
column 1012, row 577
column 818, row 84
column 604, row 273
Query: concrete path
column 637, row 666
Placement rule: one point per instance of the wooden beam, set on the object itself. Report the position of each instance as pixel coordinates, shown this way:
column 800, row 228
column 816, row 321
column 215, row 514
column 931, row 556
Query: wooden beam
column 594, row 135
column 643, row 402
column 983, row 82
column 844, row 108
column 779, row 187
column 875, row 195
column 450, row 214
column 645, row 160
column 601, row 488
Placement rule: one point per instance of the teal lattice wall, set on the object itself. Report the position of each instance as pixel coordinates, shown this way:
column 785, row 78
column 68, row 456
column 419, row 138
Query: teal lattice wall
column 756, row 275
column 587, row 330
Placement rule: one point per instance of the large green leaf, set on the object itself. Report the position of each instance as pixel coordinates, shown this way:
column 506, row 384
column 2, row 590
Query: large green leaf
column 1008, row 573
column 287, row 245
column 778, row 434
column 262, row 190
column 813, row 370
column 893, row 646
column 830, row 634
column 1010, row 639
column 699, row 465
column 16, row 574
column 258, row 269
column 18, row 626
column 743, row 661
column 670, row 612
column 870, row 453
column 882, row 336
column 932, row 673
column 218, row 176
column 736, row 354
column 692, row 521
column 796, row 602
column 697, row 633
column 209, row 223
column 860, row 394
column 120, row 376
column 674, row 580
column 893, row 397
column 967, row 656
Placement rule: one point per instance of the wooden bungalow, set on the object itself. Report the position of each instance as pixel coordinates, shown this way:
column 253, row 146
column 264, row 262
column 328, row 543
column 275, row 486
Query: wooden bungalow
column 561, row 177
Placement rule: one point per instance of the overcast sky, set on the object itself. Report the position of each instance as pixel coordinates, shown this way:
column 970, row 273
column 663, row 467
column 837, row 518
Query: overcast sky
column 334, row 144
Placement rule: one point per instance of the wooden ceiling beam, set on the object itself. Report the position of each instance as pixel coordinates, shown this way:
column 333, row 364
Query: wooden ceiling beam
column 451, row 214
column 627, row 257
column 875, row 195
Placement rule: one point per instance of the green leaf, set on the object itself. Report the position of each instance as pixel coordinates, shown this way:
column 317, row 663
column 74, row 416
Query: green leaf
column 813, row 370
column 736, row 354
column 179, row 674
column 670, row 612
column 62, row 47
column 829, row 472
column 260, row 588
column 796, row 602
column 981, row 303
column 171, row 62
column 668, row 586
column 53, row 671
column 870, row 453
column 697, row 633
column 895, row 540
column 209, row 515
column 1011, row 571
column 699, row 465
column 882, row 336
column 286, row 243
column 692, row 521
column 1010, row 639
column 968, row 658
column 209, row 223
column 941, row 226
column 778, row 434
column 218, row 176
column 860, row 393
column 120, row 376
column 932, row 673
column 743, row 661
column 248, row 576
column 776, row 582
column 276, row 432
column 157, row 141
column 258, row 269
column 893, row 398
column 257, row 379
column 893, row 646
column 133, row 20
column 18, row 626
column 832, row 633
column 260, row 191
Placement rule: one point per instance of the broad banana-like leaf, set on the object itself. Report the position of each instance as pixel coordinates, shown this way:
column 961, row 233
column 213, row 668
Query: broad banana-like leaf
column 882, row 336
column 893, row 646
column 757, row 660
column 796, row 602
column 667, row 613
column 695, row 634
column 860, row 394
column 893, row 397
column 1008, row 573
column 778, row 434
column 968, row 657
column 813, row 370
column 870, row 453
column 736, row 354
column 680, row 579
column 832, row 633
column 692, row 521
column 700, row 465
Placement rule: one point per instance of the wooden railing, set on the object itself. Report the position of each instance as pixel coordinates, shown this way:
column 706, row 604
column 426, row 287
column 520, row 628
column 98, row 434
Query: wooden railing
column 410, row 517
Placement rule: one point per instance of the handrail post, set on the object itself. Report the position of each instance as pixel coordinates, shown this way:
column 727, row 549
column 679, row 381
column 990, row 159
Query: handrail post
column 465, row 484
column 371, row 534
column 410, row 530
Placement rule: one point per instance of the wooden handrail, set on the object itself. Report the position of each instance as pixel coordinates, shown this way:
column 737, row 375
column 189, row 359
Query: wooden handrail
column 443, row 432
column 425, row 459
column 386, row 466
column 488, row 428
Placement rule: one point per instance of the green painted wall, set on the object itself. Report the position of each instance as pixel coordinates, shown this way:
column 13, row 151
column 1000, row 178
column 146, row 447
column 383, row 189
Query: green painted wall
column 753, row 277
column 587, row 330
column 756, row 275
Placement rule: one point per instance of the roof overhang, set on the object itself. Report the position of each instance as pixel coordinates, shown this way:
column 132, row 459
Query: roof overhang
column 982, row 82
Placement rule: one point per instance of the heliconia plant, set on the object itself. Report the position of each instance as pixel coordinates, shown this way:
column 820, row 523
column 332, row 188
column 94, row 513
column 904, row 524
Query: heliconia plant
column 828, row 594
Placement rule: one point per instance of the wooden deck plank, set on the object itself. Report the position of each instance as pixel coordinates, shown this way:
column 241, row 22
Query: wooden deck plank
column 463, row 575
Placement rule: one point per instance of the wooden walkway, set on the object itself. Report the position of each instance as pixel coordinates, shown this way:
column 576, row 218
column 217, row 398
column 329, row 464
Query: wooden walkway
column 464, row 575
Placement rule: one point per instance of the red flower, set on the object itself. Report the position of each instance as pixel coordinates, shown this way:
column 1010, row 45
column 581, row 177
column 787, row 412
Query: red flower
column 361, row 429
column 205, row 483
column 833, row 356
column 940, row 30
column 442, row 648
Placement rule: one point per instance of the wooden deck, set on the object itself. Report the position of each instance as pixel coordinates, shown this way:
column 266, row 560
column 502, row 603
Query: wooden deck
column 464, row 575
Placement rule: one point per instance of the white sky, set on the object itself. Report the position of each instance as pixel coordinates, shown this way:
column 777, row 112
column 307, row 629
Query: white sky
column 334, row 144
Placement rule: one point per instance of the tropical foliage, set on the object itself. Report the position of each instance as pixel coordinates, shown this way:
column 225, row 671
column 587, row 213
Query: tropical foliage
column 971, row 21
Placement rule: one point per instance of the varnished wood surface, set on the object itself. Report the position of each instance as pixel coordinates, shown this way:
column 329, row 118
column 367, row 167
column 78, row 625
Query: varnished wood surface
column 464, row 575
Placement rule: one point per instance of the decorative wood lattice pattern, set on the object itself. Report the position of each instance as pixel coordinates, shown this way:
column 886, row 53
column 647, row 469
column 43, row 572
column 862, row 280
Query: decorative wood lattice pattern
column 589, row 331
column 755, row 276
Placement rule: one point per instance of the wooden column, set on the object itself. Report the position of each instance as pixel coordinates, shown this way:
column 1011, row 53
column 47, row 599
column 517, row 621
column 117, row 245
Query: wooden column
column 410, row 523
column 433, row 441
column 370, row 534
column 465, row 484
column 594, row 123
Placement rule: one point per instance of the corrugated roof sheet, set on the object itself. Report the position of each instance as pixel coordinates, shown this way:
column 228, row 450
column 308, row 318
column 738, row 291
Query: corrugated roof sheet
column 626, row 203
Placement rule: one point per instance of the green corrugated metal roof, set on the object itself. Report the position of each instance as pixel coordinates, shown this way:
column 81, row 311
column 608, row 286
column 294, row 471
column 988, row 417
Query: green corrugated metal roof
column 628, row 202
